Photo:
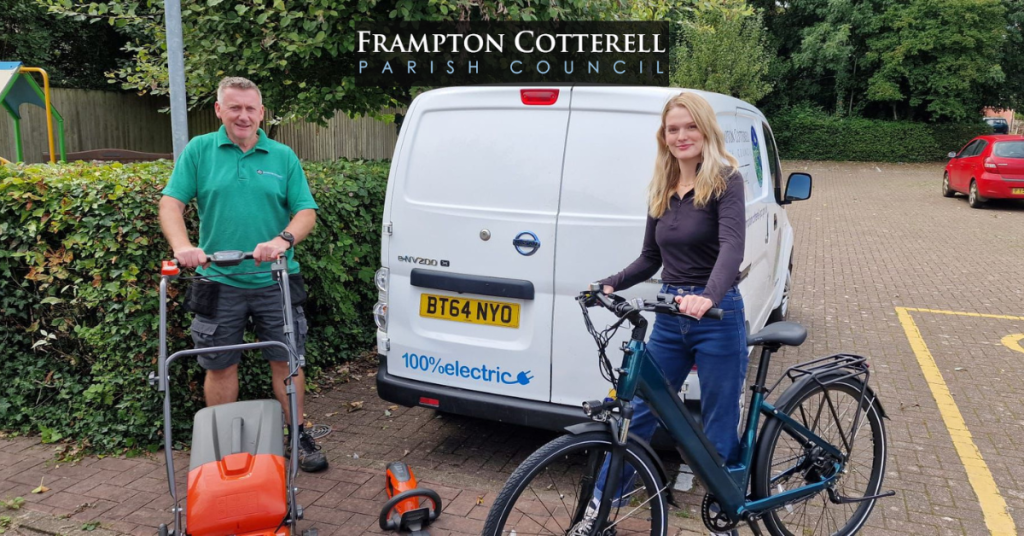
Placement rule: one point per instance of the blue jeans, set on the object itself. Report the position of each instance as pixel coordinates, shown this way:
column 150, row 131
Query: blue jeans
column 719, row 349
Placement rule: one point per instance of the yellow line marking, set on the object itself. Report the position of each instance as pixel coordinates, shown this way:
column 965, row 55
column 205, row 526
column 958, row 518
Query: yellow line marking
column 961, row 314
column 1013, row 342
column 993, row 506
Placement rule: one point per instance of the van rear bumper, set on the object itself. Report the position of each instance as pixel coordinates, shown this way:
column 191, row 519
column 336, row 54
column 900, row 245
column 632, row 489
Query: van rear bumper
column 476, row 404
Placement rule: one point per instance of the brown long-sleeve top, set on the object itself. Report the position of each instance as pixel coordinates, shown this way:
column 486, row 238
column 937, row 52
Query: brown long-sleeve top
column 696, row 246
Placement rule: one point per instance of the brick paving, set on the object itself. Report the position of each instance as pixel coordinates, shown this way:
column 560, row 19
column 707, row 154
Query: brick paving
column 872, row 238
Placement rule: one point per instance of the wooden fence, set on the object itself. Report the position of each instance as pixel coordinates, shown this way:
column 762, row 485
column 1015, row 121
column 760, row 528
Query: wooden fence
column 108, row 120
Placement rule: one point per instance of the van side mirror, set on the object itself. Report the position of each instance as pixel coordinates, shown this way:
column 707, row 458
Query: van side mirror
column 798, row 188
column 952, row 154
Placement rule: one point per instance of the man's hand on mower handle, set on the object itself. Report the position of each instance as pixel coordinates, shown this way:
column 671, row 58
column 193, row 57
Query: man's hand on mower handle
column 191, row 257
column 269, row 251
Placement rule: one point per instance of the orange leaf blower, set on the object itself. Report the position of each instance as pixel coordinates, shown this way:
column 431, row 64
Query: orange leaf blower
column 406, row 510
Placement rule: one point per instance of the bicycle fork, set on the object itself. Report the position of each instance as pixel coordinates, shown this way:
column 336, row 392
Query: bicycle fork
column 620, row 436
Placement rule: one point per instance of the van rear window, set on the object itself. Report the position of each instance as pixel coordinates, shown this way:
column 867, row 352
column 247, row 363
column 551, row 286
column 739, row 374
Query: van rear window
column 1009, row 149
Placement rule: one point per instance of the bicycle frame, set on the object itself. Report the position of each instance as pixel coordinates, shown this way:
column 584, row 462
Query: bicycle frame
column 639, row 375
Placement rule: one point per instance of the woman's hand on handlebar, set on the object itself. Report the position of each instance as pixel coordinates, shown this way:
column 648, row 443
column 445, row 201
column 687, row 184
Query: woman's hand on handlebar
column 693, row 305
column 191, row 257
column 607, row 289
column 270, row 250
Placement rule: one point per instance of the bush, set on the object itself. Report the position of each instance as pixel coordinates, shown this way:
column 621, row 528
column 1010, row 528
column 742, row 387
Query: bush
column 810, row 134
column 80, row 296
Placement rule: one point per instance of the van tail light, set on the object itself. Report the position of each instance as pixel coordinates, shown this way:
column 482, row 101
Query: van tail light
column 538, row 97
column 990, row 166
column 380, row 309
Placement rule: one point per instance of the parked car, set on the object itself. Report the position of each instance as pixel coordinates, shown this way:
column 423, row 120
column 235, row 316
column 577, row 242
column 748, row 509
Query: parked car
column 989, row 167
column 477, row 314
column 998, row 124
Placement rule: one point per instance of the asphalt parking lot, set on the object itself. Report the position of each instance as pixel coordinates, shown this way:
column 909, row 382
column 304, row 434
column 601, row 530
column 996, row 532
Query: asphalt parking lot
column 926, row 287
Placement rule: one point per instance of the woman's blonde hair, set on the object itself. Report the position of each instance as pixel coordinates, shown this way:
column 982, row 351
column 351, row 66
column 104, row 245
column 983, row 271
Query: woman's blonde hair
column 711, row 175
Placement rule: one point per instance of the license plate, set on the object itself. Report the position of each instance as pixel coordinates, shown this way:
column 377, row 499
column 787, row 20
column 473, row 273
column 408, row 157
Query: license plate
column 1017, row 191
column 469, row 310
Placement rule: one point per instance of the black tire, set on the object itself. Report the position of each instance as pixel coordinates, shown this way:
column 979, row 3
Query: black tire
column 946, row 190
column 819, row 409
column 548, row 493
column 973, row 199
column 782, row 311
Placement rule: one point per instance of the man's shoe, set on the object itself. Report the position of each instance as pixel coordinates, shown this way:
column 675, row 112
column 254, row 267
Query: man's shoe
column 311, row 459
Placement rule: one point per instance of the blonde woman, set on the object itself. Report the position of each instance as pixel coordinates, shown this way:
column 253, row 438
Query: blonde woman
column 695, row 231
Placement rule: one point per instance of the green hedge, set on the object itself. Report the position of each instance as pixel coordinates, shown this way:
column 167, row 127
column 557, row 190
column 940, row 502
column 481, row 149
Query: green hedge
column 813, row 135
column 79, row 296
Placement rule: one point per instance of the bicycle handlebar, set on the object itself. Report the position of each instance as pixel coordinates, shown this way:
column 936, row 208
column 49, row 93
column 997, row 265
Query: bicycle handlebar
column 621, row 307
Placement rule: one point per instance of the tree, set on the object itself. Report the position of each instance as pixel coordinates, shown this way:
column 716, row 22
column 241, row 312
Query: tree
column 937, row 59
column 917, row 59
column 722, row 47
column 74, row 54
column 1010, row 94
column 294, row 50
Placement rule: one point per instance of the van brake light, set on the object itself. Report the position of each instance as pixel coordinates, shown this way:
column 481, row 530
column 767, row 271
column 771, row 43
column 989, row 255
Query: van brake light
column 991, row 166
column 538, row 97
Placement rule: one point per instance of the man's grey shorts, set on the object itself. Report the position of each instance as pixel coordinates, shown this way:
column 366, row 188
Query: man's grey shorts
column 227, row 325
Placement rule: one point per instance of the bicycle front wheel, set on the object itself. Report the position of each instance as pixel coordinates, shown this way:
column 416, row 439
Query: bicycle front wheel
column 784, row 463
column 548, row 494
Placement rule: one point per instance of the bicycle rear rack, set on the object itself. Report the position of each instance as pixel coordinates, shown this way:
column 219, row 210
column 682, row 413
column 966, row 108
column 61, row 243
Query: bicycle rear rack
column 822, row 369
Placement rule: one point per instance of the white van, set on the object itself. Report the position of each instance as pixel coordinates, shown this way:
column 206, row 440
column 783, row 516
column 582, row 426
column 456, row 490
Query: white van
column 503, row 203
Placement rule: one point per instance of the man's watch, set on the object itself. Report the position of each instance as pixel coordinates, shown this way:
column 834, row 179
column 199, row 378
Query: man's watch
column 290, row 238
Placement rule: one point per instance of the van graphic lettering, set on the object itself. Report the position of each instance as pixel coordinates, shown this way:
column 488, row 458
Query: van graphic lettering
column 435, row 365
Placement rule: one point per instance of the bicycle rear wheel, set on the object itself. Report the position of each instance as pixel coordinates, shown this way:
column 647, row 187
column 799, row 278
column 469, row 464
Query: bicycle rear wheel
column 549, row 492
column 784, row 463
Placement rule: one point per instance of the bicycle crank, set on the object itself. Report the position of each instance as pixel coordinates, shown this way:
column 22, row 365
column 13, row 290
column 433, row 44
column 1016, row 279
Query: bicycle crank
column 713, row 516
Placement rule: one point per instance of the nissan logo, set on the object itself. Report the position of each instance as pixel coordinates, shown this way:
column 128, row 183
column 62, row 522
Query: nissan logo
column 526, row 243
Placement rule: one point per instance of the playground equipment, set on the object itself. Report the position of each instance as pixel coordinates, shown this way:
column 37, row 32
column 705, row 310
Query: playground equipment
column 17, row 87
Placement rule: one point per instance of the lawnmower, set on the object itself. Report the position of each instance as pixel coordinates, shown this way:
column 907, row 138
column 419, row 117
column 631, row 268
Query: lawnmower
column 237, row 480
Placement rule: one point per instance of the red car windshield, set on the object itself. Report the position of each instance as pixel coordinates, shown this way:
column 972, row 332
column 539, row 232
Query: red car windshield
column 1009, row 149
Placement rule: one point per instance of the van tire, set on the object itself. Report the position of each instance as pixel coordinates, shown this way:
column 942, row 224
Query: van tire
column 782, row 311
column 973, row 199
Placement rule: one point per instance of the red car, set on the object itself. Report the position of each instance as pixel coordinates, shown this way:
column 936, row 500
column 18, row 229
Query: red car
column 989, row 167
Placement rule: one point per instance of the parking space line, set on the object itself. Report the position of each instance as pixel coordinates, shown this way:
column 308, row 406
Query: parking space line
column 993, row 506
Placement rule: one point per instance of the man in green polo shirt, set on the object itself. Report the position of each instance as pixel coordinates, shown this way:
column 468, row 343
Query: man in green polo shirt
column 252, row 196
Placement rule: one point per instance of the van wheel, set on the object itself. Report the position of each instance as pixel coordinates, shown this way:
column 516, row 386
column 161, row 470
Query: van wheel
column 782, row 311
column 973, row 199
column 946, row 190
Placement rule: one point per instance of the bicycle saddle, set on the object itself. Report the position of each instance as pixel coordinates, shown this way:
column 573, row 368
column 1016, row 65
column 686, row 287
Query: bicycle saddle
column 788, row 333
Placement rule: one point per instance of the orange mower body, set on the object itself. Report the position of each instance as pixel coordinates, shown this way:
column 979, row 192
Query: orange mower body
column 237, row 483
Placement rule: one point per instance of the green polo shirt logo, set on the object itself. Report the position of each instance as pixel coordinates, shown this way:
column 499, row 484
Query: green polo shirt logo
column 271, row 173
column 243, row 198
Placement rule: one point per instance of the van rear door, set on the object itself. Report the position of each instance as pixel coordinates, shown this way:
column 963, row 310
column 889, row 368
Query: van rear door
column 475, row 192
column 609, row 158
